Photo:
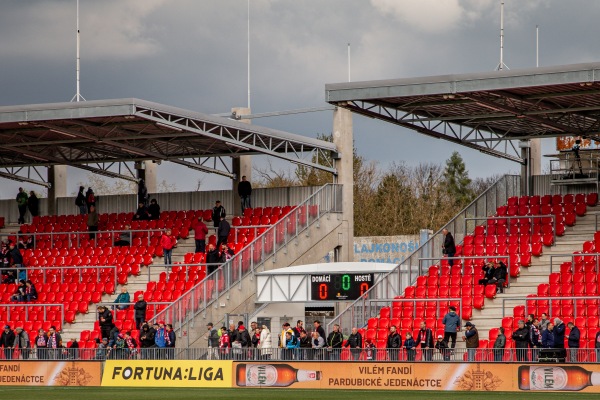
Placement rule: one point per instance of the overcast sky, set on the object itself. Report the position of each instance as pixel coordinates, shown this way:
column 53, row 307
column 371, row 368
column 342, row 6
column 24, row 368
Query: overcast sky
column 192, row 54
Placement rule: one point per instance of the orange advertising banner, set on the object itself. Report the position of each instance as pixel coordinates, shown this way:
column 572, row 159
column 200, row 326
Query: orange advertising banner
column 419, row 376
column 50, row 373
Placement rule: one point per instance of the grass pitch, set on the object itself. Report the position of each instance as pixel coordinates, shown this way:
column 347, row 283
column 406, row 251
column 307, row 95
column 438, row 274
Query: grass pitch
column 100, row 393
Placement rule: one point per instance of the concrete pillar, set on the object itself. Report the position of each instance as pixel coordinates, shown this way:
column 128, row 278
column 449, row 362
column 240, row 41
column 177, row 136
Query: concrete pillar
column 343, row 137
column 151, row 176
column 57, row 177
column 535, row 151
column 241, row 166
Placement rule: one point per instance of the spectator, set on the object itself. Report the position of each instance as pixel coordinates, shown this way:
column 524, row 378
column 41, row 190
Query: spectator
column 448, row 248
column 451, row 323
column 305, row 344
column 22, row 342
column 425, row 340
column 80, row 201
column 73, row 351
column 442, row 347
column 255, row 339
column 154, row 210
column 168, row 241
column 30, row 292
column 245, row 193
column 122, row 299
column 529, row 321
column 105, row 320
column 54, row 344
column 130, row 345
column 488, row 273
column 92, row 221
column 160, row 340
column 394, row 342
column 573, row 341
column 217, row 214
column 19, row 294
column 334, row 343
column 559, row 334
column 597, row 345
column 16, row 261
column 200, row 232
column 90, row 199
column 22, row 205
column 410, row 345
column 284, row 329
column 146, row 340
column 212, row 259
column 143, row 193
column 318, row 343
column 223, row 232
column 548, row 336
column 141, row 214
column 499, row 345
column 113, row 337
column 543, row 322
column 33, row 204
column 521, row 338
column 369, row 350
column 124, row 237
column 102, row 350
column 226, row 253
column 299, row 328
column 471, row 337
column 7, row 341
column 140, row 308
column 535, row 339
column 224, row 344
column 243, row 337
column 170, row 339
column 41, row 345
column 355, row 343
column 213, row 340
column 318, row 328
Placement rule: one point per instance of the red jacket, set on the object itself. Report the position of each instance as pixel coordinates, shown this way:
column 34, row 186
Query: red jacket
column 200, row 231
column 168, row 242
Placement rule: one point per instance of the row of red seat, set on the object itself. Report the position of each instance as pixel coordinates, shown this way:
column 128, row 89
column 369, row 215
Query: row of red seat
column 591, row 199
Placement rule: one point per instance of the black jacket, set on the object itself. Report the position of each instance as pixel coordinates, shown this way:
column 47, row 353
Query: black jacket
column 147, row 337
column 154, row 211
column 80, row 199
column 108, row 318
column 15, row 256
column 559, row 336
column 305, row 342
column 394, row 341
column 335, row 340
column 244, row 188
column 521, row 338
column 33, row 204
column 244, row 338
column 500, row 272
column 449, row 246
column 224, row 228
column 217, row 213
column 140, row 309
column 7, row 339
column 354, row 341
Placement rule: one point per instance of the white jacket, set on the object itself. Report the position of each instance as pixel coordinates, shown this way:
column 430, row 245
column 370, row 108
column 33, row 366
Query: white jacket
column 265, row 341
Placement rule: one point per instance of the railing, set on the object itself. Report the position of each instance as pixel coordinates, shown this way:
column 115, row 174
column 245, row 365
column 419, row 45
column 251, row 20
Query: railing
column 461, row 260
column 80, row 270
column 394, row 282
column 418, row 355
column 585, row 256
column 74, row 238
column 29, row 306
column 457, row 302
column 151, row 307
column 532, row 217
column 328, row 199
column 525, row 300
column 574, row 168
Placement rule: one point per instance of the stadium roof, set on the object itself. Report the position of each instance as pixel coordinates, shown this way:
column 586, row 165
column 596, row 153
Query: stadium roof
column 485, row 111
column 97, row 135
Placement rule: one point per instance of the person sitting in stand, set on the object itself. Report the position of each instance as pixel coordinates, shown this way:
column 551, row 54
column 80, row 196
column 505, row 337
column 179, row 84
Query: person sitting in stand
column 488, row 273
column 141, row 214
column 19, row 293
column 124, row 298
column 31, row 293
column 495, row 274
column 154, row 209
column 124, row 237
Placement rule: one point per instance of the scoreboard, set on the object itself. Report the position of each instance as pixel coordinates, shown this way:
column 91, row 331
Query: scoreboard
column 339, row 286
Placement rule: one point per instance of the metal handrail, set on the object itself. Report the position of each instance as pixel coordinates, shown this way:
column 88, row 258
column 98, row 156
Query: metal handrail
column 572, row 257
column 462, row 258
column 521, row 217
column 436, row 300
column 98, row 268
column 544, row 298
column 253, row 255
column 27, row 305
column 496, row 195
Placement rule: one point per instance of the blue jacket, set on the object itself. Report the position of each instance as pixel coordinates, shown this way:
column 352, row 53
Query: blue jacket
column 559, row 336
column 547, row 339
column 159, row 338
column 451, row 322
column 410, row 344
column 292, row 343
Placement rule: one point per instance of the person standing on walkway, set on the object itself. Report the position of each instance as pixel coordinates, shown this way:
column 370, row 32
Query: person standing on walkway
column 448, row 248
column 22, row 204
column 451, row 323
column 245, row 193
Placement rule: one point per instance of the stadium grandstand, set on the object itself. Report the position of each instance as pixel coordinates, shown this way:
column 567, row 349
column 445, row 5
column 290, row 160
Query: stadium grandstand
column 542, row 228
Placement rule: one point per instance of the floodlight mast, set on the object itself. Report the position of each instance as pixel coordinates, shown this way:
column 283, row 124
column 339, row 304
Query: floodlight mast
column 501, row 64
column 78, row 95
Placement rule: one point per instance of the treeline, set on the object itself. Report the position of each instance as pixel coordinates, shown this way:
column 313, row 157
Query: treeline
column 399, row 200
